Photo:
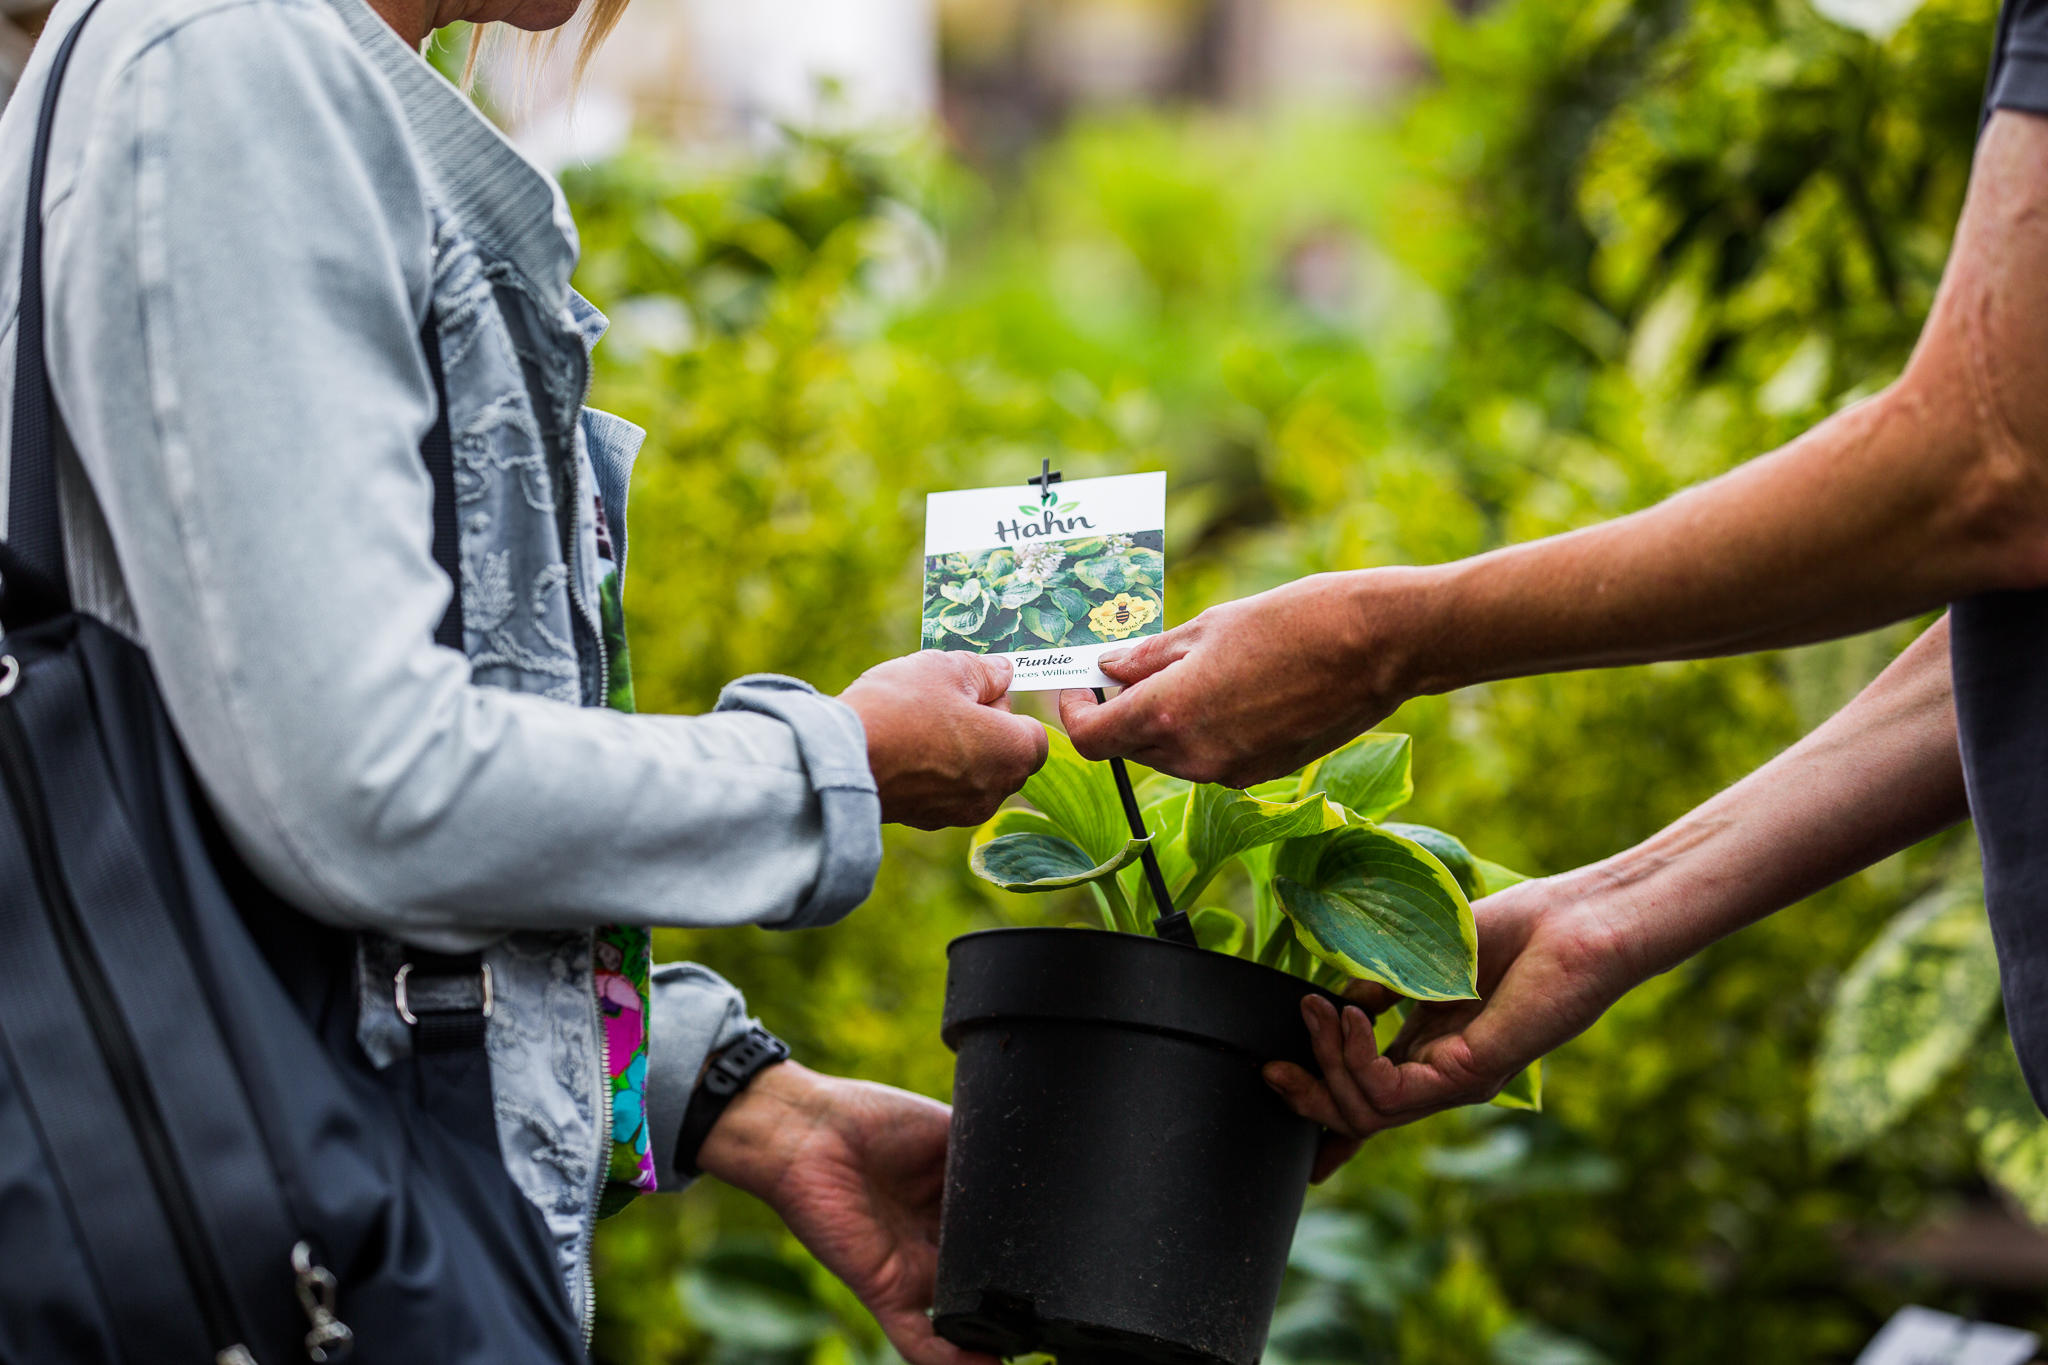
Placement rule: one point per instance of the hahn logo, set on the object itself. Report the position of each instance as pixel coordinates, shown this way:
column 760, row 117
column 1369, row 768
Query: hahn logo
column 1063, row 520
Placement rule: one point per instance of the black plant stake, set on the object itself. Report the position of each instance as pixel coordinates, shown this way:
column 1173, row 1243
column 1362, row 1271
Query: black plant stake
column 1170, row 924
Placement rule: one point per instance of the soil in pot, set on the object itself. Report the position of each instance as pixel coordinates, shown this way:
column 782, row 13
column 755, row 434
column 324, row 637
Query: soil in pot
column 1121, row 1186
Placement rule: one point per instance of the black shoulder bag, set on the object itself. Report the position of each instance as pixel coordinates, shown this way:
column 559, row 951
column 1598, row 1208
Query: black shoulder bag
column 197, row 1162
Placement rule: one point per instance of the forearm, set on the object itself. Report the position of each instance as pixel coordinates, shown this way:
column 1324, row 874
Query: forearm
column 1935, row 490
column 1881, row 774
column 1880, row 513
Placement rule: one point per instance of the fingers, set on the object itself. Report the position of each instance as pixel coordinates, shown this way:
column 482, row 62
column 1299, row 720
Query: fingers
column 1033, row 744
column 1335, row 1151
column 1304, row 1094
column 1076, row 703
column 1117, row 728
column 1372, row 997
column 1123, row 725
column 912, row 1335
column 1344, row 1048
column 988, row 675
column 1310, row 1098
column 1146, row 657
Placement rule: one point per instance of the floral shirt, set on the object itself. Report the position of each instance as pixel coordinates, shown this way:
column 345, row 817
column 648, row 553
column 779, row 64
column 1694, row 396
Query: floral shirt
column 622, row 963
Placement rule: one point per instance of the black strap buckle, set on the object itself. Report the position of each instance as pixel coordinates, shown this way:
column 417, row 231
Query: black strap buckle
column 742, row 1060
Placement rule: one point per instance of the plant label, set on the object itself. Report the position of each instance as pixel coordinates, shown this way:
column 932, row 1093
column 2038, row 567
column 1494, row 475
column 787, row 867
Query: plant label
column 1921, row 1336
column 1054, row 584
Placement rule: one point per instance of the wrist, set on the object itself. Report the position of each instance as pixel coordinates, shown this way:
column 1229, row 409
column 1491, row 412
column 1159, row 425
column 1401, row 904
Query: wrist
column 760, row 1133
column 1393, row 634
column 1647, row 905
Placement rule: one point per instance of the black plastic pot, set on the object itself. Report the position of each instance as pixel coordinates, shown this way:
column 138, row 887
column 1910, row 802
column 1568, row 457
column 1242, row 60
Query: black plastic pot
column 1122, row 1186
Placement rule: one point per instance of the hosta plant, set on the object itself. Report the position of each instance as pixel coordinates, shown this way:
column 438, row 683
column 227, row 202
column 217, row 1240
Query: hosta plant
column 1337, row 891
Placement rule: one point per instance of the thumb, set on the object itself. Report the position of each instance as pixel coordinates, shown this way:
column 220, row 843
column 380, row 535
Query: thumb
column 988, row 675
column 1145, row 658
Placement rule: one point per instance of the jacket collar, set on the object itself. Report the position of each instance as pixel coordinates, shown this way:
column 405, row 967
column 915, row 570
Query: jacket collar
column 511, row 208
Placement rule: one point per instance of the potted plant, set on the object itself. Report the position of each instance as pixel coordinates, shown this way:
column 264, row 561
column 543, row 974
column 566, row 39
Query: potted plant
column 1122, row 1185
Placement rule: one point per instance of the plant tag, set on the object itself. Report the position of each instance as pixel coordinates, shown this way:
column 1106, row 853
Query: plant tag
column 1051, row 584
column 1921, row 1336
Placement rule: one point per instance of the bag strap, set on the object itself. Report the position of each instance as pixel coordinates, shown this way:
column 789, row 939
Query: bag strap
column 33, row 584
column 32, row 559
column 453, row 993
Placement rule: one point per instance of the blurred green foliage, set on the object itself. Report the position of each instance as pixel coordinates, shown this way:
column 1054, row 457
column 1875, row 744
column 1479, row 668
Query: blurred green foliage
column 1608, row 250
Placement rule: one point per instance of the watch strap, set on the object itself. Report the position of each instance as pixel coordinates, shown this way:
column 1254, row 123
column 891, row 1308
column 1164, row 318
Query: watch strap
column 730, row 1072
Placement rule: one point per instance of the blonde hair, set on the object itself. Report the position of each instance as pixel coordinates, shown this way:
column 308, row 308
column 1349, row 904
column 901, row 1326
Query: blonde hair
column 604, row 16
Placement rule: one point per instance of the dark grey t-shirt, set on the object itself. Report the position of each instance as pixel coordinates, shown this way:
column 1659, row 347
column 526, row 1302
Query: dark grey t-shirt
column 1999, row 647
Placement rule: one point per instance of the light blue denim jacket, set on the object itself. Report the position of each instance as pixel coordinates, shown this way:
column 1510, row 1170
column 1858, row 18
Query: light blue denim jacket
column 251, row 204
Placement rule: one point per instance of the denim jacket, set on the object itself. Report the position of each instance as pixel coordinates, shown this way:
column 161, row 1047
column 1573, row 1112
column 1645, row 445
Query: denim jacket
column 251, row 206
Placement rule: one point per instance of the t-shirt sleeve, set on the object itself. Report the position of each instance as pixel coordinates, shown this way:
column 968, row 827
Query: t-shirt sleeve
column 2019, row 72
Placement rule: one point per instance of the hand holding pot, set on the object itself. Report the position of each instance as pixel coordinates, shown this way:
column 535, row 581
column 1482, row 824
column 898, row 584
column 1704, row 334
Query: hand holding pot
column 856, row 1171
column 1550, row 963
column 1256, row 688
column 943, row 745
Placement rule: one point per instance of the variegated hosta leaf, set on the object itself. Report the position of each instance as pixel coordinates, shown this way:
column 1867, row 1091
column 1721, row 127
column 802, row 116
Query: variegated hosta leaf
column 1014, row 820
column 1045, row 862
column 1222, row 823
column 1493, row 877
column 1080, row 797
column 1448, row 850
column 1380, row 907
column 2011, row 1134
column 1163, row 820
column 1525, row 1090
column 1906, row 1013
column 1152, row 788
column 1218, row 930
column 1371, row 776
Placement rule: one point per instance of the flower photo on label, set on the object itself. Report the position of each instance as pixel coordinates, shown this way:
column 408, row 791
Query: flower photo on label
column 1046, row 594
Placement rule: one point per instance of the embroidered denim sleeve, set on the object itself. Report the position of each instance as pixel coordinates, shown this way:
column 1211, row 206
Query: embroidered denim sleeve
column 835, row 752
column 695, row 1013
column 261, row 481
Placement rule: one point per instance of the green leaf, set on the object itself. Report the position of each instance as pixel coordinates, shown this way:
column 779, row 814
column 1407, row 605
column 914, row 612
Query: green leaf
column 1104, row 573
column 1908, row 1010
column 1223, row 823
column 753, row 1300
column 1448, row 850
column 1370, row 777
column 1164, row 819
column 1218, row 930
column 1027, row 509
column 965, row 620
column 1019, row 591
column 1079, row 797
column 1153, row 787
column 1046, row 862
column 1524, row 1089
column 2011, row 1134
column 1072, row 604
column 1047, row 624
column 1493, row 877
column 1380, row 907
column 1014, row 820
column 964, row 593
column 999, row 564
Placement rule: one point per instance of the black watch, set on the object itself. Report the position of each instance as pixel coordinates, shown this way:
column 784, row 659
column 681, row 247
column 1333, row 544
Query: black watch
column 730, row 1072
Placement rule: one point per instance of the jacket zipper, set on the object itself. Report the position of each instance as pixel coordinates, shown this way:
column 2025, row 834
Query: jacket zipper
column 593, row 621
column 604, row 1153
column 117, row 1048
